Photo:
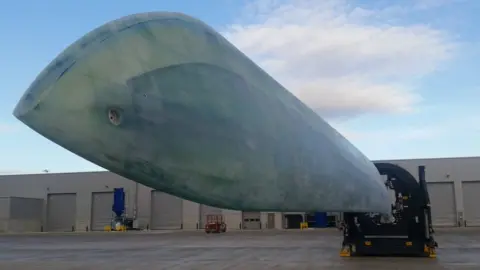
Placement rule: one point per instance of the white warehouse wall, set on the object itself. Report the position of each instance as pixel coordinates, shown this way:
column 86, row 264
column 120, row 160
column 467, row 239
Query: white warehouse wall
column 457, row 172
column 83, row 184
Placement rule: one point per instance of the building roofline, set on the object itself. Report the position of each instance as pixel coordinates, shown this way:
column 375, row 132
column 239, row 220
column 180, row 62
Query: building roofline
column 435, row 158
column 377, row 160
column 55, row 173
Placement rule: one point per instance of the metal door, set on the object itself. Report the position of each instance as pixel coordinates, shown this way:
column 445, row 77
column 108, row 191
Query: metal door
column 166, row 211
column 271, row 220
column 102, row 214
column 442, row 201
column 251, row 220
column 471, row 199
column 61, row 212
column 4, row 208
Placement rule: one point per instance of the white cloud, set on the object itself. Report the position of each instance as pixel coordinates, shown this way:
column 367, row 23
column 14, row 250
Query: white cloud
column 341, row 59
column 383, row 141
column 395, row 134
column 385, row 135
column 426, row 4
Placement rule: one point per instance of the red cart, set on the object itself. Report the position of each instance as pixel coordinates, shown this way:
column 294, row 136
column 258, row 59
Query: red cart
column 215, row 224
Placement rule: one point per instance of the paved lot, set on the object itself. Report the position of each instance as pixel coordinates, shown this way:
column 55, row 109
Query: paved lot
column 460, row 249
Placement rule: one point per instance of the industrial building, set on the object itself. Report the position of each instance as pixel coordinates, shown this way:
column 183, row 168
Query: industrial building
column 83, row 201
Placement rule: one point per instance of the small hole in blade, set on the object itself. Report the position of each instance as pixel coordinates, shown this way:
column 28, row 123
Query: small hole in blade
column 114, row 116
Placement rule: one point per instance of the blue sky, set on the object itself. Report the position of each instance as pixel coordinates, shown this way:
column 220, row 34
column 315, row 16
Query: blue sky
column 396, row 77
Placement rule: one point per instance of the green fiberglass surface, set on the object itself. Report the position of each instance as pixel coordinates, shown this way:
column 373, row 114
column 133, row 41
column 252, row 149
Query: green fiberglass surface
column 164, row 100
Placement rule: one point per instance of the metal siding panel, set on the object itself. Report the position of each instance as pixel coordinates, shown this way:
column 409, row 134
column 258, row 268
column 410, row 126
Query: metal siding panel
column 61, row 212
column 442, row 199
column 166, row 211
column 26, row 208
column 144, row 203
column 232, row 218
column 208, row 210
column 190, row 214
column 471, row 191
column 102, row 214
column 466, row 169
column 5, row 208
column 251, row 220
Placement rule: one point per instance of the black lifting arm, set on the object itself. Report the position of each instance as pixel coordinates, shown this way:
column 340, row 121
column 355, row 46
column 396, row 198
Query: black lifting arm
column 408, row 233
column 427, row 206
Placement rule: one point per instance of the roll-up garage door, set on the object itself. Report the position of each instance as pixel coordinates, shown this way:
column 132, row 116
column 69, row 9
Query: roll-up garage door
column 251, row 220
column 102, row 214
column 442, row 201
column 207, row 210
column 166, row 211
column 471, row 194
column 61, row 212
